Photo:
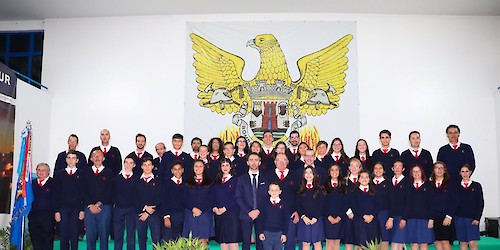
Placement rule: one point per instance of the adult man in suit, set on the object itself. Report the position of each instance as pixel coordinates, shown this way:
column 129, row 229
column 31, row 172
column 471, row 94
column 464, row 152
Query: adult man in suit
column 250, row 192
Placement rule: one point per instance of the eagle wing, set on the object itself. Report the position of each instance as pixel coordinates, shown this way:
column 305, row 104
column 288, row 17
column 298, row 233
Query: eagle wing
column 220, row 84
column 322, row 79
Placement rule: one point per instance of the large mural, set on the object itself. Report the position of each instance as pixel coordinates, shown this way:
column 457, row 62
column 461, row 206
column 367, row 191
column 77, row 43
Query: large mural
column 271, row 98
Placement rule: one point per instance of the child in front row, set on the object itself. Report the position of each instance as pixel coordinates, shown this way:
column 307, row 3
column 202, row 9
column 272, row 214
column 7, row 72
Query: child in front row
column 273, row 225
column 310, row 204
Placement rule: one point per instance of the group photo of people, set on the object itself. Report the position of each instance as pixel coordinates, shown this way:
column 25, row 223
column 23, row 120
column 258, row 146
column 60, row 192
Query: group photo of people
column 264, row 194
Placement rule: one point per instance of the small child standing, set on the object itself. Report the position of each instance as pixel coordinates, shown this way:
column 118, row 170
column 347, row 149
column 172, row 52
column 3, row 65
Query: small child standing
column 274, row 218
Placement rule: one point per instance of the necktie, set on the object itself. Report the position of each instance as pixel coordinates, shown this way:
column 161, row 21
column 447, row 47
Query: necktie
column 96, row 171
column 385, row 151
column 354, row 180
column 321, row 158
column 214, row 157
column 195, row 157
column 455, row 147
column 396, row 182
column 198, row 181
column 363, row 158
column 40, row 183
column 176, row 153
column 224, row 180
column 365, row 190
column 241, row 154
column 282, row 176
column 439, row 184
column 139, row 155
column 294, row 151
column 268, row 152
column 274, row 202
column 105, row 151
column 336, row 158
column 377, row 181
column 127, row 176
column 416, row 185
column 416, row 154
column 71, row 172
column 178, row 182
column 335, row 185
column 466, row 185
column 254, row 190
column 309, row 186
column 146, row 179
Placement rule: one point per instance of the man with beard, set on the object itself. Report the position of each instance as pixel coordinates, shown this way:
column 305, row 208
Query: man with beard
column 140, row 153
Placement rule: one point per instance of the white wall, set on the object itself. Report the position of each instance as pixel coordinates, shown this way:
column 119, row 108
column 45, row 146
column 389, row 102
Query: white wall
column 415, row 73
column 32, row 104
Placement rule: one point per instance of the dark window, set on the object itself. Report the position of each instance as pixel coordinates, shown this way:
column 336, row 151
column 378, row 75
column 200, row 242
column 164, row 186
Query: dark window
column 23, row 52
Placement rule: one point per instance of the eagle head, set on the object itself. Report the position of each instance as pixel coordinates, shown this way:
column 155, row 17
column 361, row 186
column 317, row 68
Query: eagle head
column 263, row 42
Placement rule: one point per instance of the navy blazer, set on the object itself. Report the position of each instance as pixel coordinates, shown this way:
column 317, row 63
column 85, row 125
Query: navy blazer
column 244, row 193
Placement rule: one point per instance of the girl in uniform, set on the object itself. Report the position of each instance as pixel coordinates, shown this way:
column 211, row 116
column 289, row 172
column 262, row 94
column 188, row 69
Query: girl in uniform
column 382, row 200
column 338, row 154
column 310, row 205
column 199, row 201
column 445, row 204
column 352, row 184
column 469, row 210
column 323, row 159
column 364, row 211
column 420, row 220
column 362, row 152
column 399, row 206
column 335, row 208
column 227, row 226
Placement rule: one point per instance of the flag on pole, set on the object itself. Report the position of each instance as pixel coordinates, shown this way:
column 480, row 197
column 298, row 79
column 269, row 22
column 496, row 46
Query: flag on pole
column 24, row 193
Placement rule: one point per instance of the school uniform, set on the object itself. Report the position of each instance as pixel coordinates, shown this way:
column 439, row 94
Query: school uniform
column 387, row 157
column 124, row 215
column 69, row 203
column 455, row 158
column 112, row 158
column 201, row 197
column 325, row 162
column 251, row 191
column 61, row 161
column 212, row 168
column 273, row 223
column 97, row 187
column 366, row 162
column 421, row 211
column 138, row 160
column 470, row 207
column 341, row 161
column 312, row 207
column 348, row 237
column 288, row 185
column 297, row 165
column 421, row 157
column 299, row 173
column 362, row 202
column 399, row 209
column 382, row 202
column 156, row 164
column 336, row 205
column 445, row 205
column 240, row 163
column 292, row 153
column 174, row 207
column 227, row 226
column 148, row 192
column 41, row 217
column 172, row 156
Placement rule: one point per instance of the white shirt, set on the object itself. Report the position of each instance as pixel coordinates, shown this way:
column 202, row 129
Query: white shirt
column 44, row 181
column 285, row 172
column 179, row 152
column 420, row 183
column 228, row 177
column 388, row 149
column 99, row 168
column 251, row 176
column 277, row 200
column 68, row 169
column 292, row 148
column 312, row 165
column 266, row 150
column 399, row 179
column 149, row 177
column 124, row 174
column 107, row 148
column 362, row 188
column 336, row 154
column 451, row 145
column 468, row 183
column 351, row 177
column 241, row 154
column 412, row 151
column 193, row 155
column 174, row 179
column 380, row 180
column 439, row 183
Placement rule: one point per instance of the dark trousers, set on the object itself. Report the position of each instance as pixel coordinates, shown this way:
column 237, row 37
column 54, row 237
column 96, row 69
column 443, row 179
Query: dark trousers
column 291, row 236
column 246, row 229
column 174, row 232
column 153, row 221
column 98, row 225
column 124, row 218
column 69, row 228
column 41, row 228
